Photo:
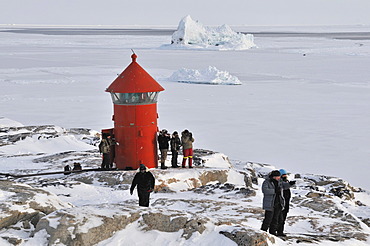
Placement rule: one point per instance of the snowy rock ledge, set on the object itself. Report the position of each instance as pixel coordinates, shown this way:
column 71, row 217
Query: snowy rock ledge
column 191, row 34
column 218, row 202
column 210, row 75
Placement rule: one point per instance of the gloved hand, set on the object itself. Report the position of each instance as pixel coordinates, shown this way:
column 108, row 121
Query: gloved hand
column 292, row 182
column 131, row 191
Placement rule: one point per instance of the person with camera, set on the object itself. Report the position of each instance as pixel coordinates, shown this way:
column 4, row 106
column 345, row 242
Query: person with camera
column 175, row 147
column 187, row 147
column 287, row 195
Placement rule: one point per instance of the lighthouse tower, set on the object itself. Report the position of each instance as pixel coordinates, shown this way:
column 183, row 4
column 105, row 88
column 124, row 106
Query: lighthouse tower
column 134, row 94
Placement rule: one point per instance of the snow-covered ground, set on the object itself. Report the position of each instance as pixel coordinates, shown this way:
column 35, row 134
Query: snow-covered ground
column 303, row 105
column 217, row 196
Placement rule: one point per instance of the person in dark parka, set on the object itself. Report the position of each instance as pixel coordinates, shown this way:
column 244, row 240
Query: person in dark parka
column 175, row 147
column 106, row 147
column 163, row 139
column 273, row 202
column 144, row 180
column 287, row 195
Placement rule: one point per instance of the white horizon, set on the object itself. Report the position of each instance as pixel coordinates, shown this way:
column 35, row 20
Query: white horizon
column 166, row 12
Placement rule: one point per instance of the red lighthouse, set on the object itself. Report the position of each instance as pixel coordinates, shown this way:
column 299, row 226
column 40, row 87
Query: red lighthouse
column 134, row 93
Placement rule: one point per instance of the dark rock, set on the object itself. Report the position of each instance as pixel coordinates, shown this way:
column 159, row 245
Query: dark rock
column 13, row 241
column 173, row 223
column 247, row 192
column 248, row 237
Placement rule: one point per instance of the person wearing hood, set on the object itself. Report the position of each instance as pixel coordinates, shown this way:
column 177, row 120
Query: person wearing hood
column 163, row 139
column 287, row 195
column 175, row 147
column 106, row 147
column 144, row 180
column 187, row 147
column 273, row 202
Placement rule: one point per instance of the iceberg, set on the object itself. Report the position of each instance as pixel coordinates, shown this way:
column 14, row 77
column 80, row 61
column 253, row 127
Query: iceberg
column 191, row 34
column 210, row 75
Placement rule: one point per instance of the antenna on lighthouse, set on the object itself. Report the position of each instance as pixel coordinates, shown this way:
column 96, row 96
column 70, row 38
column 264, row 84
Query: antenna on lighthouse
column 133, row 52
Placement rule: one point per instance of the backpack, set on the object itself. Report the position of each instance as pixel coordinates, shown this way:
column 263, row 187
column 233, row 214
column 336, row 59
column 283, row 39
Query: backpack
column 67, row 170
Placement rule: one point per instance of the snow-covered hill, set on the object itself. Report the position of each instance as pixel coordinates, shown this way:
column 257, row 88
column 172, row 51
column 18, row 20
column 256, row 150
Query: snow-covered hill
column 216, row 203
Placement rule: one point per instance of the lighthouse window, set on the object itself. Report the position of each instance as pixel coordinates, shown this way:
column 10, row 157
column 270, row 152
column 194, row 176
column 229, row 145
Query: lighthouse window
column 134, row 98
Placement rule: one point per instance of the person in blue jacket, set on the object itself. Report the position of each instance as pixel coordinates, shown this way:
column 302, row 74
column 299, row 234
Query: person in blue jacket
column 287, row 195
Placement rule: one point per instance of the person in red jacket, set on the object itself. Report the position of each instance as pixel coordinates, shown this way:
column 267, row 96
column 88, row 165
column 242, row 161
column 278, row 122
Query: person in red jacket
column 187, row 147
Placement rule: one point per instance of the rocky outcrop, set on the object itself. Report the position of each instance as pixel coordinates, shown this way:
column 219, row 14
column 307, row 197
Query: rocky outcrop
column 14, row 134
column 173, row 223
column 87, row 225
column 215, row 196
column 92, row 224
column 249, row 237
column 343, row 225
column 26, row 204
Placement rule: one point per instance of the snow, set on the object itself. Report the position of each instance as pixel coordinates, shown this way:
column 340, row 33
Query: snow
column 302, row 105
column 217, row 160
column 191, row 34
column 210, row 75
column 33, row 145
column 236, row 178
column 130, row 236
column 4, row 195
column 5, row 122
column 302, row 113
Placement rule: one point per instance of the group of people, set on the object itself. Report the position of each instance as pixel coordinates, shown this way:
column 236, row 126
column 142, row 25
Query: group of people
column 275, row 188
column 276, row 199
column 165, row 140
column 144, row 180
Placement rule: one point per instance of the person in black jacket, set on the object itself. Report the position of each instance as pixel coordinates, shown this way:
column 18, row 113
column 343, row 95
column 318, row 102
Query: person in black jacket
column 175, row 147
column 163, row 139
column 287, row 195
column 144, row 180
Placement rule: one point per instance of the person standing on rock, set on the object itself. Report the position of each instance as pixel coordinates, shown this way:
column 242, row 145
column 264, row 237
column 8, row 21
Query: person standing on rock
column 287, row 195
column 106, row 147
column 273, row 202
column 144, row 180
column 187, row 147
column 175, row 147
column 163, row 139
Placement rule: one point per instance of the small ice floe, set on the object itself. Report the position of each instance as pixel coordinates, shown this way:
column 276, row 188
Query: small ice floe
column 211, row 75
column 191, row 34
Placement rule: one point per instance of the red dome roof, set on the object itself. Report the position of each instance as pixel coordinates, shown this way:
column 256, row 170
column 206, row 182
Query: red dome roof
column 134, row 79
